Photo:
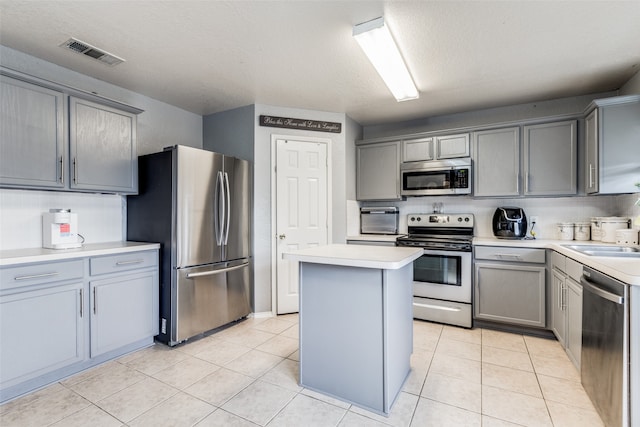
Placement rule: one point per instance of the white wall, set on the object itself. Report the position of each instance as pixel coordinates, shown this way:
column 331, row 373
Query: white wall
column 237, row 130
column 263, row 234
column 550, row 211
column 631, row 87
column 230, row 132
column 489, row 116
column 159, row 125
column 101, row 217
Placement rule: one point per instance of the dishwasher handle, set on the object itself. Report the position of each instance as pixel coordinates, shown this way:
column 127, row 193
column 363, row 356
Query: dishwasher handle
column 594, row 289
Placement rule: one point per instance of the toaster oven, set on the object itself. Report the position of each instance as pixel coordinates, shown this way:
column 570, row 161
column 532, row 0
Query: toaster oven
column 374, row 220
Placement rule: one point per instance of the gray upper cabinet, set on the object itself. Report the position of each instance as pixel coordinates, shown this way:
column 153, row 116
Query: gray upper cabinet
column 452, row 146
column 545, row 166
column 102, row 147
column 378, row 171
column 417, row 150
column 437, row 147
column 496, row 156
column 56, row 137
column 32, row 137
column 612, row 127
column 550, row 159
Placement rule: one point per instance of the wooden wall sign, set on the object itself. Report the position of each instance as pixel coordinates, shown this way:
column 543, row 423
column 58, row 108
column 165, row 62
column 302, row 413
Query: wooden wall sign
column 302, row 124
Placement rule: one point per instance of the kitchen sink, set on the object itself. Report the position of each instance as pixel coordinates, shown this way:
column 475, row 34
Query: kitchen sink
column 609, row 251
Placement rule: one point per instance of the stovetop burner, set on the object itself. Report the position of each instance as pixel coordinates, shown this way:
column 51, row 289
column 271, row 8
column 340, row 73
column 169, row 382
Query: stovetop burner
column 439, row 231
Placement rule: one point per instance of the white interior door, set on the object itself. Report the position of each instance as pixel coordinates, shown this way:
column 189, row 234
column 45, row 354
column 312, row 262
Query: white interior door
column 301, row 210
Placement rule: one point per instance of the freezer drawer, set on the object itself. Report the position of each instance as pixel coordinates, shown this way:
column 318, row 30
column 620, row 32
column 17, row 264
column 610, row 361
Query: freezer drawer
column 209, row 297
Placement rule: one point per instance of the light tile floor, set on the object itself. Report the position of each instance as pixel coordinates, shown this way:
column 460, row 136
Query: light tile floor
column 247, row 375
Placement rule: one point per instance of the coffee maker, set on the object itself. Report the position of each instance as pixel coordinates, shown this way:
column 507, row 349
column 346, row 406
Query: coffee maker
column 60, row 229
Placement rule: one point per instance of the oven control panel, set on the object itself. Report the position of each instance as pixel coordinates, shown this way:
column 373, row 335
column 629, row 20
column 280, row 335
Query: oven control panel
column 440, row 220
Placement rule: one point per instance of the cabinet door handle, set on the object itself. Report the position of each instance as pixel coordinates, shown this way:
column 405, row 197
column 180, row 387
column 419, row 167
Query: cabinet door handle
column 135, row 261
column 526, row 183
column 81, row 303
column 95, row 301
column 61, row 169
column 36, row 276
column 75, row 171
column 509, row 256
column 561, row 295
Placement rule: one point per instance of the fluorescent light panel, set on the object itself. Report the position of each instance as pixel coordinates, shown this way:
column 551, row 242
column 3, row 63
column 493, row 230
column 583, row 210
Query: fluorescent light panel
column 376, row 41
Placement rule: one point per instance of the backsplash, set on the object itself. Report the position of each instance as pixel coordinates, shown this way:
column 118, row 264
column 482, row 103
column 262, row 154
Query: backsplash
column 100, row 216
column 549, row 211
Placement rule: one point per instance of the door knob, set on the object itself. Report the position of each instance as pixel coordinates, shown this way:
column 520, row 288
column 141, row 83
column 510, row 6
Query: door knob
column 282, row 236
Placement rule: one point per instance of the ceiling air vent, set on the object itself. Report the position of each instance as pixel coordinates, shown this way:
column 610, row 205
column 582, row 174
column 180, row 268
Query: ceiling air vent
column 91, row 51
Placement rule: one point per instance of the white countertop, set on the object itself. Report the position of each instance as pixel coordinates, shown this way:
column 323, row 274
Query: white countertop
column 23, row 256
column 375, row 237
column 626, row 270
column 381, row 257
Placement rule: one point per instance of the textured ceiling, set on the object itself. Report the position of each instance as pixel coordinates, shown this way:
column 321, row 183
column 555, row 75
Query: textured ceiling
column 211, row 56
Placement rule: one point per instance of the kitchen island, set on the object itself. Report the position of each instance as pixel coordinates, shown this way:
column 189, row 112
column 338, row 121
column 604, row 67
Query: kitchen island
column 356, row 321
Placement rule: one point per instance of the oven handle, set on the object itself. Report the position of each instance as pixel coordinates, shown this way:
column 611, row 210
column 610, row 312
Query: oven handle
column 436, row 307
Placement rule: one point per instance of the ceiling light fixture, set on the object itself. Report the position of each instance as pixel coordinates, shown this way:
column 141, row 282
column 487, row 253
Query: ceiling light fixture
column 376, row 41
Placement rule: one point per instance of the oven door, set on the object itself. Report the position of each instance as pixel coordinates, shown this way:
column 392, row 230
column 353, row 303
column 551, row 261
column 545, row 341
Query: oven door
column 443, row 275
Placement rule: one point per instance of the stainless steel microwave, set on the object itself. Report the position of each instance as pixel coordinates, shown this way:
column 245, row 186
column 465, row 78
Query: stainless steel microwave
column 435, row 178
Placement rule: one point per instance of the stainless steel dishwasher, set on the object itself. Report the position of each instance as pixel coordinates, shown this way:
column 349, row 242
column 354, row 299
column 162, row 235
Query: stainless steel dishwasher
column 605, row 346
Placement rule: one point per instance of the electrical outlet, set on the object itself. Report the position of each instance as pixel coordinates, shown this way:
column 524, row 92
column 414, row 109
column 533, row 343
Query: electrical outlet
column 534, row 219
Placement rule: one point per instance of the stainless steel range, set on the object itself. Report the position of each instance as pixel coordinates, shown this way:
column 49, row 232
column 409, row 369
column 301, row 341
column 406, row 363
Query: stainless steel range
column 442, row 276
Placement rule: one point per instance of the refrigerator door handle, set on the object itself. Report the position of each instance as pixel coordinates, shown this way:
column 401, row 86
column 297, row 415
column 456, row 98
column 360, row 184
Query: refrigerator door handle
column 212, row 272
column 228, row 202
column 217, row 221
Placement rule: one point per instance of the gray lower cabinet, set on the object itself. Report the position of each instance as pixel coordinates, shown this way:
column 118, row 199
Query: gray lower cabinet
column 566, row 305
column 573, row 343
column 122, row 311
column 42, row 331
column 356, row 331
column 378, row 171
column 496, row 162
column 124, row 300
column 510, row 285
column 102, row 143
column 550, row 159
column 32, row 135
column 612, row 127
column 558, row 305
column 42, row 322
column 57, row 319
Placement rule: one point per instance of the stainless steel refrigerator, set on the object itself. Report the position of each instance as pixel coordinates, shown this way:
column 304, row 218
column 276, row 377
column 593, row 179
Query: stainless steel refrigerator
column 196, row 204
